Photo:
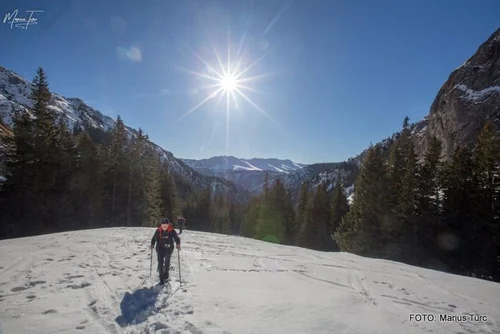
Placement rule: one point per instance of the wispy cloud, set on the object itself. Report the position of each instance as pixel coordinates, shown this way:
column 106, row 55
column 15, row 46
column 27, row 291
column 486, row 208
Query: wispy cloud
column 132, row 54
column 166, row 91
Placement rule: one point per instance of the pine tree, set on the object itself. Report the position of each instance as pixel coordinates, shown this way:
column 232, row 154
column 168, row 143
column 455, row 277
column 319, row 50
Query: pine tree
column 152, row 190
column 169, row 194
column 250, row 218
column 116, row 176
column 362, row 229
column 220, row 215
column 86, row 185
column 270, row 224
column 46, row 167
column 266, row 185
column 40, row 95
column 396, row 172
column 204, row 209
column 428, row 194
column 64, row 156
column 302, row 206
column 409, row 242
column 316, row 231
column 456, row 238
column 138, row 168
column 234, row 216
column 339, row 207
column 20, row 156
column 430, row 179
column 400, row 227
column 487, row 172
column 290, row 219
column 280, row 199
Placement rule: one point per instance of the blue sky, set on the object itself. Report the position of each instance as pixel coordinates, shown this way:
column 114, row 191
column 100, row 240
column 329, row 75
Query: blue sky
column 340, row 74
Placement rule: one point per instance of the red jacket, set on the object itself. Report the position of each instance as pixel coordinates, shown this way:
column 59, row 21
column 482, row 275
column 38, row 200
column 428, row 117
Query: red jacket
column 165, row 239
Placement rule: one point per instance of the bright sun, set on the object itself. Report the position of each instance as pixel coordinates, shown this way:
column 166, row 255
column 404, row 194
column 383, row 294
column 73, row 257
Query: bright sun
column 228, row 80
column 229, row 83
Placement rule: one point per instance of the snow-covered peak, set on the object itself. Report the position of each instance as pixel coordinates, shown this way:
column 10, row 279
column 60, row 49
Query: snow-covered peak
column 230, row 163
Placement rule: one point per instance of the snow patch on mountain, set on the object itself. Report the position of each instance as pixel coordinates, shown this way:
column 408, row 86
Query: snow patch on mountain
column 477, row 95
column 279, row 169
column 230, row 163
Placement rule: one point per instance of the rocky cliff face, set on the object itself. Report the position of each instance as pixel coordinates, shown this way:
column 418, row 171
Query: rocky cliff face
column 469, row 98
column 466, row 101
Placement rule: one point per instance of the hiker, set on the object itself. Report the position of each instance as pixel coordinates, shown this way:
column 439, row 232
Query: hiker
column 181, row 223
column 164, row 238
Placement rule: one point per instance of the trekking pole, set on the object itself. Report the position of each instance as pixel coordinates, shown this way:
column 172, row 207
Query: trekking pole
column 179, row 260
column 151, row 262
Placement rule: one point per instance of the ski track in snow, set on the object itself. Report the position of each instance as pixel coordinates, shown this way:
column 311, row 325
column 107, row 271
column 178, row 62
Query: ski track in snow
column 97, row 281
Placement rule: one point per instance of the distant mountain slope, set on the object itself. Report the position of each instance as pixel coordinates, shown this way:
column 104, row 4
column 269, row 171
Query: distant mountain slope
column 14, row 96
column 316, row 174
column 230, row 163
column 248, row 173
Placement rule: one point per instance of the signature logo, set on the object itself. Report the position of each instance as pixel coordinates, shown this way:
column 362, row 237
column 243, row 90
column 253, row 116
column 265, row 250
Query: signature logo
column 21, row 22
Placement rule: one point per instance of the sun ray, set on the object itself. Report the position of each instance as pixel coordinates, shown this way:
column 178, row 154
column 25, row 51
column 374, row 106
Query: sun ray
column 217, row 85
column 250, row 89
column 234, row 98
column 259, row 77
column 251, row 65
column 227, row 124
column 202, row 75
column 276, row 18
column 199, row 105
column 221, row 75
column 206, row 64
column 239, row 52
column 261, row 110
column 229, row 70
column 220, row 98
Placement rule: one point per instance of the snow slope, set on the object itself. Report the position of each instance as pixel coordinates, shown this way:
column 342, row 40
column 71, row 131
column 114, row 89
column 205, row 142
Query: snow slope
column 96, row 281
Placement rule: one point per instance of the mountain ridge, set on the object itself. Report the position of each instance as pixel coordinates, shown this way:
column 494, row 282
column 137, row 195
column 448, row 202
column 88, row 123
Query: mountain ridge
column 14, row 96
column 231, row 163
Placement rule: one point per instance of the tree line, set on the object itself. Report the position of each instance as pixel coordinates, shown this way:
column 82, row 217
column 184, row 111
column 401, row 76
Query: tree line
column 430, row 213
column 57, row 178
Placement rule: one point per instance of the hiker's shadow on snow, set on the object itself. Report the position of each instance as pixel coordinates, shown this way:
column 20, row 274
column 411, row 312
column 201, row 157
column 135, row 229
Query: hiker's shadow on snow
column 138, row 306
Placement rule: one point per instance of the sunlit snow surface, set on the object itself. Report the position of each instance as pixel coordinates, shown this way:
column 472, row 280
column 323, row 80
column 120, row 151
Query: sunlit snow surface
column 96, row 281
